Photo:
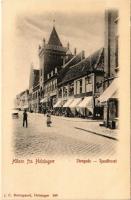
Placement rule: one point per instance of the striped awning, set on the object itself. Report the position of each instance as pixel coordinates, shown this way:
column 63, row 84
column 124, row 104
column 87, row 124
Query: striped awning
column 45, row 99
column 69, row 101
column 58, row 104
column 87, row 102
column 75, row 103
column 110, row 92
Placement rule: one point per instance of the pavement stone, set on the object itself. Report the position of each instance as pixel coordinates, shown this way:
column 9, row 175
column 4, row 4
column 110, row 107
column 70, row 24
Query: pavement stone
column 64, row 137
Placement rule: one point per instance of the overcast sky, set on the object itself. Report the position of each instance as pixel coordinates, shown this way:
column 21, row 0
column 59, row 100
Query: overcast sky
column 84, row 31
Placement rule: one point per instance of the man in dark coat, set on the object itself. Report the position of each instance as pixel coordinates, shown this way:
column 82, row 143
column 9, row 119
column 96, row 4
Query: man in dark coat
column 25, row 118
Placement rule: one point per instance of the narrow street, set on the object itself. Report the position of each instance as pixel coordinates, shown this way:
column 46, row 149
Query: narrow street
column 64, row 137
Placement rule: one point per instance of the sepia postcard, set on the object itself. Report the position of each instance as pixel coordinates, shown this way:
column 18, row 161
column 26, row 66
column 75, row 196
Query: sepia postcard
column 65, row 106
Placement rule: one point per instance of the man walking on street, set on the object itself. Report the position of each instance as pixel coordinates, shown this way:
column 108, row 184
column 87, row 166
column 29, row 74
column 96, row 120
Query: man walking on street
column 25, row 118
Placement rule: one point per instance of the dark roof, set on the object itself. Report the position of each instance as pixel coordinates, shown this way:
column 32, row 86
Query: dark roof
column 36, row 77
column 54, row 38
column 75, row 60
column 93, row 63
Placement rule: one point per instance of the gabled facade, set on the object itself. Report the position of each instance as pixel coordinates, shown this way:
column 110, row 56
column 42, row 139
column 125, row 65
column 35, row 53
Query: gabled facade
column 82, row 79
column 87, row 66
column 109, row 98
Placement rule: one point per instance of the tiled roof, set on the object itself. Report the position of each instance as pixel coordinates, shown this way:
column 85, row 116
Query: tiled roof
column 75, row 60
column 90, row 64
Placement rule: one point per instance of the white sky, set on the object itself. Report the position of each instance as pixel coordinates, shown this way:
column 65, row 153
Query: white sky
column 26, row 22
column 85, row 31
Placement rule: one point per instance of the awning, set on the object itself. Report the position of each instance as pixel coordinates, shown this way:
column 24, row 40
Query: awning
column 115, row 95
column 87, row 102
column 75, row 103
column 69, row 101
column 110, row 92
column 58, row 104
column 44, row 100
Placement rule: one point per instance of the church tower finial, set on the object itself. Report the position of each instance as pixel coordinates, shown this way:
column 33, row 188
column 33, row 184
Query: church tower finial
column 53, row 22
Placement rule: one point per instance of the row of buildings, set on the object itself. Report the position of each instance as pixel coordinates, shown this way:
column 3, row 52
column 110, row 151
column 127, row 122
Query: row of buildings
column 71, row 84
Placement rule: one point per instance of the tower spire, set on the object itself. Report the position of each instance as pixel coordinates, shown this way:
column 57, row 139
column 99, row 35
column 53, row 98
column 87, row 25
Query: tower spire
column 54, row 38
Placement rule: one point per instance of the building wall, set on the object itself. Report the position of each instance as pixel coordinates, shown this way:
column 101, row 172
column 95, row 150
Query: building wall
column 99, row 86
column 41, row 65
column 84, row 86
column 52, row 59
column 111, row 64
column 111, row 43
column 22, row 100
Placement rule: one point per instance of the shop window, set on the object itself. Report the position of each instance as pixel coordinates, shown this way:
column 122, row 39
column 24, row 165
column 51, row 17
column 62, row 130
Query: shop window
column 88, row 80
column 113, row 109
column 60, row 92
column 80, row 86
column 71, row 89
column 65, row 91
column 88, row 84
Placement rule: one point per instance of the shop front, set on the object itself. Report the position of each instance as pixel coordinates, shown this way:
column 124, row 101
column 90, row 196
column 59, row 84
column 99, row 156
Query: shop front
column 109, row 100
column 73, row 106
column 43, row 105
column 66, row 109
column 85, row 108
column 57, row 108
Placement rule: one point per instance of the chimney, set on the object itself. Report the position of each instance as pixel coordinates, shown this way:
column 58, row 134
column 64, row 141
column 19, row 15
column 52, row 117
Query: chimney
column 75, row 51
column 43, row 42
column 82, row 55
column 39, row 48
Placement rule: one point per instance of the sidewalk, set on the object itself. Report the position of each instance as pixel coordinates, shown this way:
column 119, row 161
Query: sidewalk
column 93, row 126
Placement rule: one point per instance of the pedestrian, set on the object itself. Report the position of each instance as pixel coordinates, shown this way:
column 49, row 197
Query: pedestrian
column 44, row 111
column 25, row 118
column 48, row 119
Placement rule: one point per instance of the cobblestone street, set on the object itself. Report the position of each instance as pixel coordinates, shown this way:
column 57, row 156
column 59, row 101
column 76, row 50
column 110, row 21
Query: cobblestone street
column 64, row 137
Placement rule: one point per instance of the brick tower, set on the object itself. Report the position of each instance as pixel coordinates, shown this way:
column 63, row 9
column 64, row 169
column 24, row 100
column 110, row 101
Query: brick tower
column 51, row 56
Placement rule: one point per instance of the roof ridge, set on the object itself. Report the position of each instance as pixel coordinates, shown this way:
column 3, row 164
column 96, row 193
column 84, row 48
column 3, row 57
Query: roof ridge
column 72, row 59
column 88, row 57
